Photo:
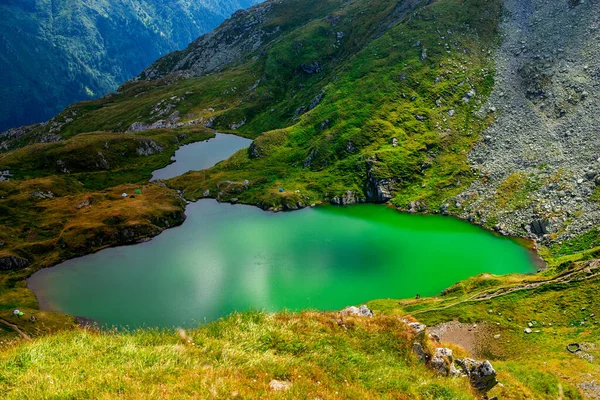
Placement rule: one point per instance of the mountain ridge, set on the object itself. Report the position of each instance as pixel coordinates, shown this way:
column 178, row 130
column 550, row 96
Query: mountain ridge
column 54, row 54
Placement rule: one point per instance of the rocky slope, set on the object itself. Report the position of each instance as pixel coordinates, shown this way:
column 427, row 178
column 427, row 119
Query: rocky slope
column 541, row 154
column 55, row 53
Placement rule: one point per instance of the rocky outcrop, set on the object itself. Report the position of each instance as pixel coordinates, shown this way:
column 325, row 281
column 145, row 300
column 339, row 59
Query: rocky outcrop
column 362, row 311
column 10, row 262
column 380, row 186
column 254, row 151
column 148, row 147
column 417, row 207
column 5, row 176
column 380, row 190
column 347, row 199
column 481, row 374
column 314, row 103
column 173, row 122
column 314, row 67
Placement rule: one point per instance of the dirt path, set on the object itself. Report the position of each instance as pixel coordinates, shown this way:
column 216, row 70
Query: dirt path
column 590, row 270
column 15, row 328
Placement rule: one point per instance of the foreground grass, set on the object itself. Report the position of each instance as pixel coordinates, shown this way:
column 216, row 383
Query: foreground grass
column 321, row 356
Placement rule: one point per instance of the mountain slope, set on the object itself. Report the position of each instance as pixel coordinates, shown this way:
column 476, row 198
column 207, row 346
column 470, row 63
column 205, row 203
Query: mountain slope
column 55, row 53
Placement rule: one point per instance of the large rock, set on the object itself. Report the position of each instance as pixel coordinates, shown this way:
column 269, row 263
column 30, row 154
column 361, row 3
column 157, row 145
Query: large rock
column 254, row 151
column 148, row 147
column 420, row 352
column 481, row 374
column 380, row 190
column 539, row 227
column 442, row 360
column 416, row 327
column 9, row 262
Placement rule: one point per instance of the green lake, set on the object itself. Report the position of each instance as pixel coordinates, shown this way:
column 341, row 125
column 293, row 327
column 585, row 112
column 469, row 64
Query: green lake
column 229, row 258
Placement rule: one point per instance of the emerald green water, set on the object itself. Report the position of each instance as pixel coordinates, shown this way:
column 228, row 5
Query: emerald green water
column 232, row 258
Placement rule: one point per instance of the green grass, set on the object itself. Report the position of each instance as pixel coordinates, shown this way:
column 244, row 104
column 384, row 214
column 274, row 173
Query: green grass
column 376, row 97
column 235, row 357
column 512, row 194
column 100, row 160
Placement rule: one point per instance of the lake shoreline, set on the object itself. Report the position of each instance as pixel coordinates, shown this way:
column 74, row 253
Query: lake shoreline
column 528, row 244
column 99, row 268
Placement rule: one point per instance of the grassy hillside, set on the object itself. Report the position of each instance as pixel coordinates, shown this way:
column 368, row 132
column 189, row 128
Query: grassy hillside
column 65, row 200
column 324, row 133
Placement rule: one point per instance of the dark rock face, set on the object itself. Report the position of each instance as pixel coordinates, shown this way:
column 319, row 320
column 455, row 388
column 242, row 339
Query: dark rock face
column 379, row 186
column 8, row 263
column 380, row 190
column 254, row 151
column 313, row 68
column 538, row 227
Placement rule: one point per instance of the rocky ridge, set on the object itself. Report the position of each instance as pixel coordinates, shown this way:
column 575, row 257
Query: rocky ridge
column 239, row 36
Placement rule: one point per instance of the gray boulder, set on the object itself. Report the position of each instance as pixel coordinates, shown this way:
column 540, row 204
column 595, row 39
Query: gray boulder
column 420, row 352
column 346, row 199
column 148, row 147
column 362, row 311
column 481, row 374
column 442, row 361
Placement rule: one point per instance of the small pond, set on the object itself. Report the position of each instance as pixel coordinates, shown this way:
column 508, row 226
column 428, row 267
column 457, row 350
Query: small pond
column 201, row 155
